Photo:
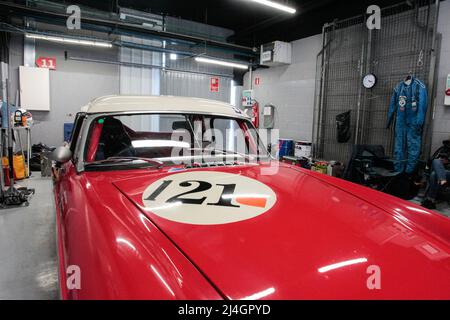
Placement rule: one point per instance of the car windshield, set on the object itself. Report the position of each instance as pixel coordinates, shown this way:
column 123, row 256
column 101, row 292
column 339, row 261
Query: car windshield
column 169, row 139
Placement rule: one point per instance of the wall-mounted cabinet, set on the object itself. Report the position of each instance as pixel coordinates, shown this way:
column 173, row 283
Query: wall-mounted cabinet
column 34, row 88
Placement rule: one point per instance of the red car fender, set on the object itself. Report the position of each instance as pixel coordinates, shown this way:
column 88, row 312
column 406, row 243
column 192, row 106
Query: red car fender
column 121, row 255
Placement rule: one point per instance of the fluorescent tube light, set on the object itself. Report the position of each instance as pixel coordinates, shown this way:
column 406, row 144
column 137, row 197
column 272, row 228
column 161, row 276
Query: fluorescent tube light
column 276, row 5
column 222, row 63
column 70, row 40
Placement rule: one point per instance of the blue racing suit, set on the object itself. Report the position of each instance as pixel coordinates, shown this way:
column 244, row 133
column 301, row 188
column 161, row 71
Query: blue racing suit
column 409, row 107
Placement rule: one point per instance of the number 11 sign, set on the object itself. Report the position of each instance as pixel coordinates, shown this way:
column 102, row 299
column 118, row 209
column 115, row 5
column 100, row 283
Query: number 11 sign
column 46, row 62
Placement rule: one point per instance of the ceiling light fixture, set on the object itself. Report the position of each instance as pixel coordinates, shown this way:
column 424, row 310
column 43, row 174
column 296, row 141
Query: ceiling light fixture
column 222, row 63
column 276, row 5
column 70, row 40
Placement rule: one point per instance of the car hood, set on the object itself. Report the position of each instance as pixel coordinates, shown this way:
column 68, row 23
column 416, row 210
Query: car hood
column 318, row 237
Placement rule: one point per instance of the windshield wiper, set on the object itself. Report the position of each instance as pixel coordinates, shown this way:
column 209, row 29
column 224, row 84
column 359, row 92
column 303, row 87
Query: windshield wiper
column 158, row 164
column 226, row 152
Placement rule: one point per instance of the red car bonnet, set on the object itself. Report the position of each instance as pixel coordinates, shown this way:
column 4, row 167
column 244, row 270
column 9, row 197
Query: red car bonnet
column 316, row 239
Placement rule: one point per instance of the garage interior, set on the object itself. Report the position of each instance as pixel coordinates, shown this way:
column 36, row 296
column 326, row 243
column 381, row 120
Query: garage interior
column 301, row 73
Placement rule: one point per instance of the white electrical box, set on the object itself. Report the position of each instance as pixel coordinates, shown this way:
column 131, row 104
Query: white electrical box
column 247, row 98
column 276, row 53
column 34, row 88
column 447, row 92
column 269, row 116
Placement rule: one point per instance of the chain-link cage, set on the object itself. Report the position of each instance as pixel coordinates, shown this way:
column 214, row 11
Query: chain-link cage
column 403, row 46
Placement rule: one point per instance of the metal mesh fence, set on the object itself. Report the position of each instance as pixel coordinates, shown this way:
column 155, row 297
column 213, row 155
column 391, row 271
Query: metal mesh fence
column 401, row 47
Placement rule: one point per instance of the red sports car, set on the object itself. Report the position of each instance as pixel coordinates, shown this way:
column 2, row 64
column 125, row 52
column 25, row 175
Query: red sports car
column 177, row 198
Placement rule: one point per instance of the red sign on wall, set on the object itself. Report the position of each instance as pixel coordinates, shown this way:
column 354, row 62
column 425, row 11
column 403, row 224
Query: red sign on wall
column 214, row 85
column 46, row 62
column 257, row 81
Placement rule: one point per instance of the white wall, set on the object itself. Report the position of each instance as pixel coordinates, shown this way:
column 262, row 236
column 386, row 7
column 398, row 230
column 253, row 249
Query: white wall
column 291, row 89
column 72, row 85
column 441, row 126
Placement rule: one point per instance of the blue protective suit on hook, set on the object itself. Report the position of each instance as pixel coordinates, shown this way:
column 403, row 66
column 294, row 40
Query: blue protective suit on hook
column 409, row 108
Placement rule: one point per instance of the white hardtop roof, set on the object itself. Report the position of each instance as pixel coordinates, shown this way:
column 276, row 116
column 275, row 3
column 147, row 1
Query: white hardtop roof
column 121, row 103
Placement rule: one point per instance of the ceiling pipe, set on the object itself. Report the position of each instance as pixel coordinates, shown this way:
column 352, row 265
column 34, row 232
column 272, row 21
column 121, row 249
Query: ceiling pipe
column 148, row 66
column 131, row 34
column 12, row 8
column 118, row 43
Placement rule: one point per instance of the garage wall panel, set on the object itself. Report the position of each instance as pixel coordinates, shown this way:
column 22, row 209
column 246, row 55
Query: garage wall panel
column 197, row 82
column 291, row 89
column 402, row 46
column 72, row 85
column 75, row 83
column 295, row 112
column 194, row 85
column 16, row 59
column 138, row 80
column 441, row 123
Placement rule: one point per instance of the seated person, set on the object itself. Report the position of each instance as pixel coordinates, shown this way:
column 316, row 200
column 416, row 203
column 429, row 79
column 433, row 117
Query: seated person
column 438, row 178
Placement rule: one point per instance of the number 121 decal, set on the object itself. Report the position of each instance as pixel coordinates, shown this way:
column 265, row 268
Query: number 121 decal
column 224, row 201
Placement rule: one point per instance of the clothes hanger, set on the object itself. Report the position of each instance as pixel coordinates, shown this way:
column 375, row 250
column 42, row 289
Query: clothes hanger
column 408, row 78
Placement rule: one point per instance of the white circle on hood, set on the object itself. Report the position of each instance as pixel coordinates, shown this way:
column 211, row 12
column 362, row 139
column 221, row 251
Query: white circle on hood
column 208, row 198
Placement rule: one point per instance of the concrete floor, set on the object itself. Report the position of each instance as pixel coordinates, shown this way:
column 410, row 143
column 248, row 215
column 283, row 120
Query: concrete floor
column 442, row 206
column 28, row 268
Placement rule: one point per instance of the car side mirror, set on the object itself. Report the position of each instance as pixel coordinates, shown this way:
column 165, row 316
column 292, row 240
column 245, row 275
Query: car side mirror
column 61, row 154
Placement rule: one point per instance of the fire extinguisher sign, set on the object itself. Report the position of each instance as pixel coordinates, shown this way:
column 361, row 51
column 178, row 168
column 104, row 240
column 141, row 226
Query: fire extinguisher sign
column 214, row 84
